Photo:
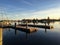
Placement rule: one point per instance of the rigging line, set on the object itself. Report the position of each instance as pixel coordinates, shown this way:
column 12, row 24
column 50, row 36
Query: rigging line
column 1, row 14
column 4, row 14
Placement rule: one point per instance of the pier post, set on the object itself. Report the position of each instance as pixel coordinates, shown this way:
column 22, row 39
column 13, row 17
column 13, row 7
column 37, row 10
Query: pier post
column 15, row 25
column 45, row 27
column 15, row 28
column 26, row 24
column 45, row 30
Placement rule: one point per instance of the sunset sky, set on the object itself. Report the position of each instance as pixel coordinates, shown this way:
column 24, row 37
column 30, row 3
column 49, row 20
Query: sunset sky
column 29, row 9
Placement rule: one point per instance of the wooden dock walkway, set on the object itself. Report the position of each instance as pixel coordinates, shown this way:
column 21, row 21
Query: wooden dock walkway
column 26, row 28
column 38, row 26
column 22, row 28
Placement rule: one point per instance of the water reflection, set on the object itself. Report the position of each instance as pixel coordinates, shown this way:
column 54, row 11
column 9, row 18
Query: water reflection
column 41, row 37
column 16, row 31
column 45, row 30
column 26, row 33
column 1, row 36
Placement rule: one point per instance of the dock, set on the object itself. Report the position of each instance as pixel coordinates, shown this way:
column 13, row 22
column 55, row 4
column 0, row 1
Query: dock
column 38, row 26
column 28, row 28
column 22, row 28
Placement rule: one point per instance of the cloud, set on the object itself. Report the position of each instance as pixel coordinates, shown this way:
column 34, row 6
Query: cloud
column 26, row 2
column 52, row 13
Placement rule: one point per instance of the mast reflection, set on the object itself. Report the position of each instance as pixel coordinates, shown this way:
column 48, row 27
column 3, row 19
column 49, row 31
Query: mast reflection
column 1, row 36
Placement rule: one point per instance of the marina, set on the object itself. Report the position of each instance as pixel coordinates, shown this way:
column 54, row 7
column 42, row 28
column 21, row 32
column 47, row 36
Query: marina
column 39, row 37
column 29, row 22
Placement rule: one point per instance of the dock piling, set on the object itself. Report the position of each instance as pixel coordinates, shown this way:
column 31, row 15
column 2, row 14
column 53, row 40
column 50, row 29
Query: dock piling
column 45, row 27
column 26, row 25
column 15, row 25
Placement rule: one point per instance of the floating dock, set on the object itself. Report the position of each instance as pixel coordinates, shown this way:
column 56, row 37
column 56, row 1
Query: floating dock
column 22, row 28
column 26, row 27
column 28, row 30
column 38, row 26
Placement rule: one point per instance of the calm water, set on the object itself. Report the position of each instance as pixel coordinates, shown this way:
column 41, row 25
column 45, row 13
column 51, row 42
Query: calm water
column 50, row 37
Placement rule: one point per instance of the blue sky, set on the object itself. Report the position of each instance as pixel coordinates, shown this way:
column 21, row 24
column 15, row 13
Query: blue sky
column 20, row 9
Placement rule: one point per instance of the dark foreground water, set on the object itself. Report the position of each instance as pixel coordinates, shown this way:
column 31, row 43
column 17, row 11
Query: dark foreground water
column 41, row 37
